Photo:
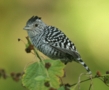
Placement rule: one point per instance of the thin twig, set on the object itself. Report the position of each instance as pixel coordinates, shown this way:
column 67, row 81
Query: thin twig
column 79, row 80
column 88, row 80
column 37, row 54
column 29, row 42
column 90, row 86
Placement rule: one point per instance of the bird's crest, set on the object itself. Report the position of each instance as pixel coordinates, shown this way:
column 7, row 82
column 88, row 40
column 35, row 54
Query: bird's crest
column 33, row 18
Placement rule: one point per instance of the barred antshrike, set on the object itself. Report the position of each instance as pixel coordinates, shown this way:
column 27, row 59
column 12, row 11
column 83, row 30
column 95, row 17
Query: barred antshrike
column 52, row 42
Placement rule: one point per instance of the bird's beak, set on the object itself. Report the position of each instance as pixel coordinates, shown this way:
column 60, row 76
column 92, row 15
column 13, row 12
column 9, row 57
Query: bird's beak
column 26, row 28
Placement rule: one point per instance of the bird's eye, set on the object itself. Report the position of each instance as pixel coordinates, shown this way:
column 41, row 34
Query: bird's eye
column 36, row 25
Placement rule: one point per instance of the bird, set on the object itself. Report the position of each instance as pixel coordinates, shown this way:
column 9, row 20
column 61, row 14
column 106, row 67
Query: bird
column 52, row 42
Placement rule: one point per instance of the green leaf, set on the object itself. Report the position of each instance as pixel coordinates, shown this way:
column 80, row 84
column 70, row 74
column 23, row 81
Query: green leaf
column 30, row 78
column 36, row 75
column 55, row 71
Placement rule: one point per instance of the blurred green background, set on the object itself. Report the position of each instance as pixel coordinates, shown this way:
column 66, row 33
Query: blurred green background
column 85, row 22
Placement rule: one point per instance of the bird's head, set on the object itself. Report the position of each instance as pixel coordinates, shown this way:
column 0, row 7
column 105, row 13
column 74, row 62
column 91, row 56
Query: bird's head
column 34, row 25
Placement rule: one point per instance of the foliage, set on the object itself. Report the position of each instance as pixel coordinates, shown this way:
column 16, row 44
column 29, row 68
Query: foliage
column 43, row 76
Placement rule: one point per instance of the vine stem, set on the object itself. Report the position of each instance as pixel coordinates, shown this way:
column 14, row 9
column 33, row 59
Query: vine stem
column 94, row 77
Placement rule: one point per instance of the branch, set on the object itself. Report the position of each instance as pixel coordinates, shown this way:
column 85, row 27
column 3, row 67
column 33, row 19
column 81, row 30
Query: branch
column 31, row 47
column 94, row 77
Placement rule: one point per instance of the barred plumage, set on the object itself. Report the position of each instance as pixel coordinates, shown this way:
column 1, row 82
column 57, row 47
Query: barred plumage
column 52, row 42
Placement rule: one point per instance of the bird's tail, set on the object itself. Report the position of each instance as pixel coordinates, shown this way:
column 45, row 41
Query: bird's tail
column 84, row 65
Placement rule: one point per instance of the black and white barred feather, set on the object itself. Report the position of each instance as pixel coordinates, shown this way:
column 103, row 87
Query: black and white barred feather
column 52, row 42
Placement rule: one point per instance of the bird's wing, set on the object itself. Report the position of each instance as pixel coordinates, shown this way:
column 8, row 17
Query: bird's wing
column 58, row 40
column 73, row 53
